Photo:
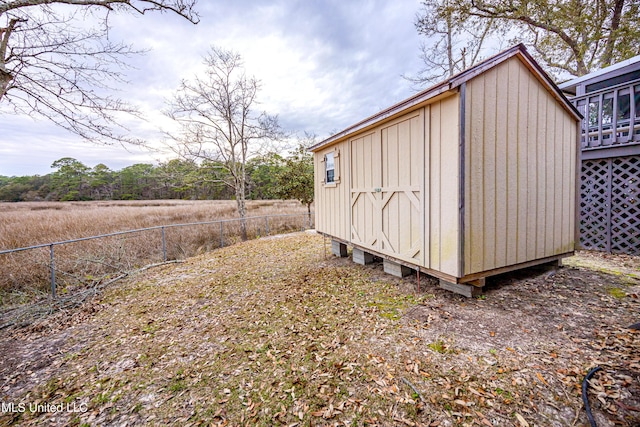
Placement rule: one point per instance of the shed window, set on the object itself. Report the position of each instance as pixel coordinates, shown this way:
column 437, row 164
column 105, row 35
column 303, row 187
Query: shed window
column 330, row 168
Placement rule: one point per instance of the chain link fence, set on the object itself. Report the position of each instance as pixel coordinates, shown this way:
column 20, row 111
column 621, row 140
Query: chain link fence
column 65, row 273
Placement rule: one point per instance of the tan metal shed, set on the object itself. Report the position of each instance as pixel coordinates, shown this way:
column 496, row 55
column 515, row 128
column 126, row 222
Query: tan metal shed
column 472, row 177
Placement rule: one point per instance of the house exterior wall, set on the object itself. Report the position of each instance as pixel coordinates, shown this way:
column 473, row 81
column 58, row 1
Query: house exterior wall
column 520, row 170
column 609, row 100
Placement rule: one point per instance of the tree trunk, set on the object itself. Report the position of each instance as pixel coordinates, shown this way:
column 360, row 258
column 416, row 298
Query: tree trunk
column 5, row 75
column 242, row 209
column 607, row 58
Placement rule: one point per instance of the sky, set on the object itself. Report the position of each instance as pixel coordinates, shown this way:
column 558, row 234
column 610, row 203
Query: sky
column 323, row 65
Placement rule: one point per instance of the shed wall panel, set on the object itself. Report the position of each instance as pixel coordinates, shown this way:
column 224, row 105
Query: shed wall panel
column 365, row 176
column 523, row 161
column 474, row 191
column 512, row 174
column 331, row 216
column 401, row 191
column 557, row 181
column 501, row 167
column 490, row 81
column 518, row 204
column 434, row 185
column 443, row 182
column 550, row 190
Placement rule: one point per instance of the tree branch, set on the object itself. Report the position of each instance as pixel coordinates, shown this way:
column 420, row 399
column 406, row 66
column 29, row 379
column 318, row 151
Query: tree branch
column 184, row 8
column 54, row 68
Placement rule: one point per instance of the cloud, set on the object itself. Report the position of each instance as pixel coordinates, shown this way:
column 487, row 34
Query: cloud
column 323, row 66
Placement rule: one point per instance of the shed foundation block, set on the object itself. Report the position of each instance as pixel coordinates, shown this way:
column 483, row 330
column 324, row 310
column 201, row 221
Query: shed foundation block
column 338, row 249
column 396, row 269
column 362, row 257
column 465, row 289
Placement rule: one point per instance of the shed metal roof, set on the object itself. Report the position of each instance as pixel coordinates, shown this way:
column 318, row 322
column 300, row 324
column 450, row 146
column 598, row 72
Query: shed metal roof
column 451, row 84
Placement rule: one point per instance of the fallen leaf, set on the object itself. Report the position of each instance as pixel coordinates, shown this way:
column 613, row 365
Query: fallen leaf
column 541, row 378
column 521, row 420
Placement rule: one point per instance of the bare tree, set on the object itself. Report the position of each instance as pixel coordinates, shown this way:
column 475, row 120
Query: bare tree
column 454, row 40
column 53, row 65
column 217, row 120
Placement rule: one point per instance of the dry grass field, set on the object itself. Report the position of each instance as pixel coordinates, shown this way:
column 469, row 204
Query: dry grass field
column 26, row 274
column 275, row 332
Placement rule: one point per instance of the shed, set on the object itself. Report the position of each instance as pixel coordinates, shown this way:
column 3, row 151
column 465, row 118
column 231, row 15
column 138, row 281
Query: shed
column 472, row 177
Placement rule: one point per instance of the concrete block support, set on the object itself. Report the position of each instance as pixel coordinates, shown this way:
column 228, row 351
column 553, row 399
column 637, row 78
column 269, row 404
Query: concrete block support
column 362, row 257
column 465, row 289
column 338, row 249
column 396, row 269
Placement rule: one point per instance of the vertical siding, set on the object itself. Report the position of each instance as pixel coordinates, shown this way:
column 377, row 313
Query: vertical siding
column 332, row 214
column 532, row 165
column 401, row 190
column 434, row 184
column 513, row 173
column 540, row 143
column 573, row 158
column 549, row 189
column 386, row 186
column 474, row 183
column 524, row 164
column 520, row 160
column 426, row 185
column 443, row 181
column 365, row 176
column 501, row 165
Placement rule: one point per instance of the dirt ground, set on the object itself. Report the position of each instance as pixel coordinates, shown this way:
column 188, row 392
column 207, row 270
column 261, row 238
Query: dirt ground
column 275, row 332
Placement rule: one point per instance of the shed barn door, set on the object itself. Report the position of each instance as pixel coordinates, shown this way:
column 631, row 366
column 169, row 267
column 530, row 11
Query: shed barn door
column 365, row 195
column 401, row 193
column 387, row 170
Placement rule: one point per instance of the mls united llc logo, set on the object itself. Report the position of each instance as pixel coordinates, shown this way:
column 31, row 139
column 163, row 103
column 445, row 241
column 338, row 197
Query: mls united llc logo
column 42, row 407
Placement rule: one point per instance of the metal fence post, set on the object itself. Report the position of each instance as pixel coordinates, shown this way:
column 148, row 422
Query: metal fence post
column 52, row 266
column 164, row 246
column 52, row 263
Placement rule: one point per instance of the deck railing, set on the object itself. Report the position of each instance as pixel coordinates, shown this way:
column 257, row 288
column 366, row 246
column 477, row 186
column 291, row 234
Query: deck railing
column 611, row 116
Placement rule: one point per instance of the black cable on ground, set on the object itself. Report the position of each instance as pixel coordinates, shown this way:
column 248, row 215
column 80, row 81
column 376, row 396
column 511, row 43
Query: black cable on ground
column 585, row 386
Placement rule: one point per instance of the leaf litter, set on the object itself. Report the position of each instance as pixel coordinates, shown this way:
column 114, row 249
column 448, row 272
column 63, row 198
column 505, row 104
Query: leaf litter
column 275, row 332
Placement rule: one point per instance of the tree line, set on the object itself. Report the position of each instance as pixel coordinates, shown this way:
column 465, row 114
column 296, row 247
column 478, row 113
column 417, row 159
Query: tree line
column 270, row 176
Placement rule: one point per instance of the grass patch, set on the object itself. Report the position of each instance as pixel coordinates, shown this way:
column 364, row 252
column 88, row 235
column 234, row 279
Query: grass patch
column 439, row 346
column 270, row 332
column 617, row 292
column 26, row 274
